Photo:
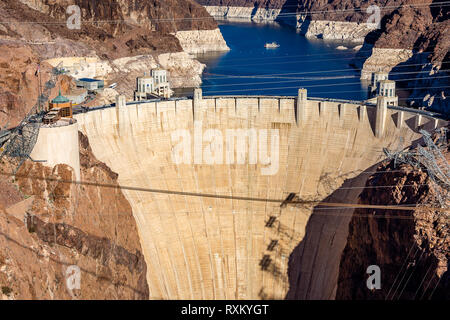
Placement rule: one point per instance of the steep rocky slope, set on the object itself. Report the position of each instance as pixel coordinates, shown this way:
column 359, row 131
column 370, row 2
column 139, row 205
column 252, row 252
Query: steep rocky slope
column 47, row 225
column 33, row 31
column 19, row 85
column 410, row 247
column 113, row 28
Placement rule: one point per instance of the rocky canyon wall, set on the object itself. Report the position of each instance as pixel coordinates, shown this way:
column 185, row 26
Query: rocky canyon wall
column 149, row 33
column 201, row 41
column 48, row 226
column 411, row 248
column 243, row 13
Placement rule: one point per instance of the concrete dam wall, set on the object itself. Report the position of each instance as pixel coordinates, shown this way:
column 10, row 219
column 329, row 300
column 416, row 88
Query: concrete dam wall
column 220, row 248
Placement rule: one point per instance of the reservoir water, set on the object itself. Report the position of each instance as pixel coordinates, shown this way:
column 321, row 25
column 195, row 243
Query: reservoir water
column 250, row 68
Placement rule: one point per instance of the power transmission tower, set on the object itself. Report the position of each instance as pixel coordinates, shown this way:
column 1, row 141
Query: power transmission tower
column 429, row 158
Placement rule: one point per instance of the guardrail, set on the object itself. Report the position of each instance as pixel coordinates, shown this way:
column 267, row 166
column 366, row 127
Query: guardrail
column 422, row 112
column 357, row 102
column 283, row 97
column 113, row 105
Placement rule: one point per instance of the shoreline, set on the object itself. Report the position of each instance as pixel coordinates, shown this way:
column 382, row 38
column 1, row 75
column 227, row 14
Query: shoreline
column 385, row 59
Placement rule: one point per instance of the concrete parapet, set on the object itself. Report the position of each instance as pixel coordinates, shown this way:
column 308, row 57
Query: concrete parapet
column 435, row 122
column 380, row 119
column 362, row 113
column 417, row 121
column 302, row 102
column 400, row 119
column 58, row 145
column 198, row 97
column 322, row 108
column 342, row 110
column 121, row 101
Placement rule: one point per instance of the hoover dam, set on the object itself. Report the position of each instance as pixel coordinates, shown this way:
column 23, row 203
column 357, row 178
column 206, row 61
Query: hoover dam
column 239, row 240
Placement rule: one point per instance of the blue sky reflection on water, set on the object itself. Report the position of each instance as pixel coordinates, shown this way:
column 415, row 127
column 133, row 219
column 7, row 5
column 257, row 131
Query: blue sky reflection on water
column 251, row 69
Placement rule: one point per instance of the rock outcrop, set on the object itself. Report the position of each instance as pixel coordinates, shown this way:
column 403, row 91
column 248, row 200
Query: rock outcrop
column 243, row 13
column 19, row 85
column 411, row 248
column 49, row 227
column 201, row 41
column 110, row 31
column 184, row 70
column 383, row 59
column 336, row 30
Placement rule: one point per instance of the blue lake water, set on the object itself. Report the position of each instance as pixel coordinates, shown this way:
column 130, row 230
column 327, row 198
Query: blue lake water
column 250, row 68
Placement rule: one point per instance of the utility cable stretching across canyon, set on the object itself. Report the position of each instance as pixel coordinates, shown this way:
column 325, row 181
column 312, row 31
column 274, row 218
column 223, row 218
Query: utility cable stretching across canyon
column 294, row 79
column 319, row 85
column 205, row 195
column 305, row 12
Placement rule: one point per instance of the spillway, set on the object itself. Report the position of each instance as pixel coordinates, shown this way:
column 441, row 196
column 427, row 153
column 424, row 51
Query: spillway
column 220, row 248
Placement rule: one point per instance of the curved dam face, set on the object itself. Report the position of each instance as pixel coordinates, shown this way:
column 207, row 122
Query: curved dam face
column 219, row 248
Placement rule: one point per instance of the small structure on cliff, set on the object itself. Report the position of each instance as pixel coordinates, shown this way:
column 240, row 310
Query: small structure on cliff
column 90, row 84
column 58, row 108
column 155, row 86
column 77, row 96
column 382, row 86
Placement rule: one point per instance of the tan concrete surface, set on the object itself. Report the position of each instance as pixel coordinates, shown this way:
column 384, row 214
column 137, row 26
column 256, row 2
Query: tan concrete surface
column 58, row 145
column 207, row 248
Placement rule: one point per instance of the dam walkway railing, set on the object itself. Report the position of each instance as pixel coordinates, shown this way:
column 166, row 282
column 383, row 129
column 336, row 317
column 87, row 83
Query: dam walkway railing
column 356, row 102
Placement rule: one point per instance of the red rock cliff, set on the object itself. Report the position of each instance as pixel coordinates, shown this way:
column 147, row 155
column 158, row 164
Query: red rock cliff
column 47, row 225
column 410, row 247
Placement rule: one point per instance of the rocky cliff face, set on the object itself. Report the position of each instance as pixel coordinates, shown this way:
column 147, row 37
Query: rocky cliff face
column 243, row 13
column 47, row 226
column 112, row 29
column 411, row 248
column 127, row 25
column 19, row 86
column 201, row 41
column 36, row 31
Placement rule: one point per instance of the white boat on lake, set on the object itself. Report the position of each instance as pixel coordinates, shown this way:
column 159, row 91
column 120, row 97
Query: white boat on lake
column 271, row 45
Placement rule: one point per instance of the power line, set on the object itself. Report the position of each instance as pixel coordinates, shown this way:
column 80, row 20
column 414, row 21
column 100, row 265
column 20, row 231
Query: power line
column 237, row 198
column 289, row 62
column 274, row 75
column 428, row 160
column 313, row 86
column 425, row 276
column 355, row 55
column 382, row 8
column 353, row 91
column 305, row 12
column 337, row 52
column 295, row 79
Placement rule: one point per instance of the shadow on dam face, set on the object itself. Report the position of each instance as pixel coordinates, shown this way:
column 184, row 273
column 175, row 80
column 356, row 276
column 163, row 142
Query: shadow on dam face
column 312, row 268
column 221, row 248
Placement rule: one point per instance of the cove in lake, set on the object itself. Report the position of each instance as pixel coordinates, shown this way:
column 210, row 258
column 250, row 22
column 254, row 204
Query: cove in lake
column 251, row 69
